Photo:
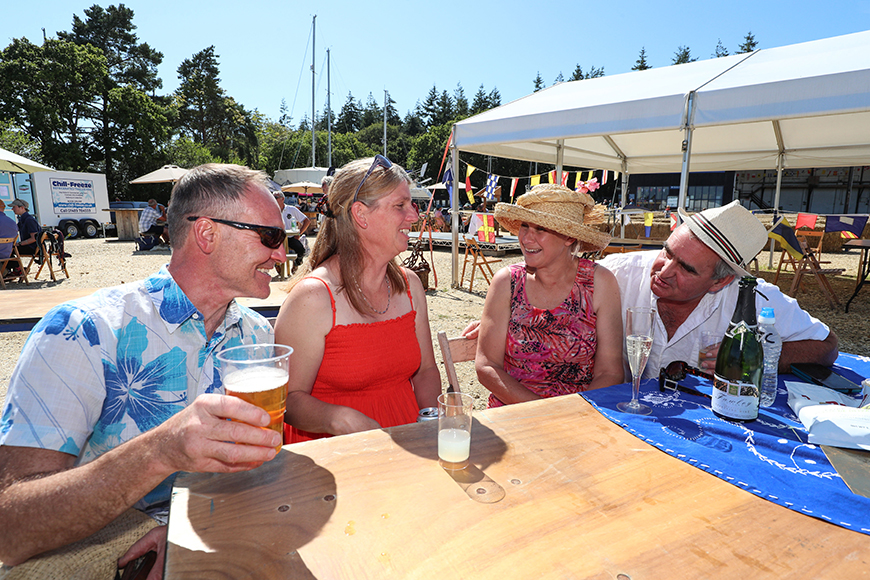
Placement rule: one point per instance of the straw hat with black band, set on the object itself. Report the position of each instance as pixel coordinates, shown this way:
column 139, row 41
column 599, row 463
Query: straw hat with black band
column 731, row 231
column 558, row 209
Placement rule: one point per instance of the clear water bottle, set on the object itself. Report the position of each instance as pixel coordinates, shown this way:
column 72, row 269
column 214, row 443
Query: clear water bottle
column 772, row 344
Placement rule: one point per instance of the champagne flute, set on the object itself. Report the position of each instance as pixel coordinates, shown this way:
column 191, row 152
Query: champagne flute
column 639, row 328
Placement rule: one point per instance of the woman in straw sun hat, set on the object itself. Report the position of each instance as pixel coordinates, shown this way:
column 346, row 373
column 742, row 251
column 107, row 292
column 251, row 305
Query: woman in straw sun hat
column 552, row 325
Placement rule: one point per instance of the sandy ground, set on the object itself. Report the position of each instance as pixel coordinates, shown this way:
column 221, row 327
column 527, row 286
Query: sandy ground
column 100, row 263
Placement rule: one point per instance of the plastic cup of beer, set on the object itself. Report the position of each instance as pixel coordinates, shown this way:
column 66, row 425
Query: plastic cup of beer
column 259, row 374
column 454, row 430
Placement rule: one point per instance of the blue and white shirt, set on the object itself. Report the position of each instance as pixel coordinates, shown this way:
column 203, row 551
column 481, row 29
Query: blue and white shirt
column 97, row 371
column 149, row 217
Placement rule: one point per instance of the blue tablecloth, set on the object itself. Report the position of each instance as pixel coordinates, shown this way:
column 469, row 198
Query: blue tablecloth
column 769, row 457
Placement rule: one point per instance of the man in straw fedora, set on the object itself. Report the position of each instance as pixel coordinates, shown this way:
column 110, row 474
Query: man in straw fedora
column 692, row 283
column 551, row 325
column 115, row 393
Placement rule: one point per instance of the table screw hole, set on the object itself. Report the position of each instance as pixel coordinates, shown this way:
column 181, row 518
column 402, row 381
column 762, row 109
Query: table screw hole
column 283, row 508
column 516, row 481
column 329, row 497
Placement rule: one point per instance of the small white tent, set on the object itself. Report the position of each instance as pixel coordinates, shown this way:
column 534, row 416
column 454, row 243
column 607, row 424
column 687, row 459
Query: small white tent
column 804, row 105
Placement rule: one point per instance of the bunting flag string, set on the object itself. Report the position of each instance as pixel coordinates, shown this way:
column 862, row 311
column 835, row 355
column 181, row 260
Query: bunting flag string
column 550, row 176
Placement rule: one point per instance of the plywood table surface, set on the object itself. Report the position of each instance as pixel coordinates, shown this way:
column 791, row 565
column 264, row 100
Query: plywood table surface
column 556, row 491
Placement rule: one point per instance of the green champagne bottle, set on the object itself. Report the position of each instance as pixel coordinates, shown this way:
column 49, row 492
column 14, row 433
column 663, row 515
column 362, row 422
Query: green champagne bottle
column 739, row 365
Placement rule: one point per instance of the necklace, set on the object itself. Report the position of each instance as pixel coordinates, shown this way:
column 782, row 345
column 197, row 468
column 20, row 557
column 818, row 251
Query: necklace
column 369, row 304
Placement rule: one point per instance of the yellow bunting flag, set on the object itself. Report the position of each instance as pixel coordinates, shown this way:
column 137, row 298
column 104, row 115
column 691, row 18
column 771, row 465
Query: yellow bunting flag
column 468, row 173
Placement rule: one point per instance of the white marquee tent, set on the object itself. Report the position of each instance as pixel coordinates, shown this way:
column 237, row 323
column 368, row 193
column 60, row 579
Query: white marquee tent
column 804, row 105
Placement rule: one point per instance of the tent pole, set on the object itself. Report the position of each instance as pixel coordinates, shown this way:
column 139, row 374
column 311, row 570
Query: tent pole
column 454, row 208
column 687, row 152
column 775, row 204
column 624, row 197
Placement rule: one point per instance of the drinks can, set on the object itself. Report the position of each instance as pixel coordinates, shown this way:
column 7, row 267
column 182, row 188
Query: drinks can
column 427, row 414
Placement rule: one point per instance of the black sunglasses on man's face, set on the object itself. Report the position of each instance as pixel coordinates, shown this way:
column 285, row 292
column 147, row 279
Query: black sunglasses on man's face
column 271, row 237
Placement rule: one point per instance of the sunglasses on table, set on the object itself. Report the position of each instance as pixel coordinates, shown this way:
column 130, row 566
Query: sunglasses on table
column 271, row 237
column 676, row 371
column 380, row 161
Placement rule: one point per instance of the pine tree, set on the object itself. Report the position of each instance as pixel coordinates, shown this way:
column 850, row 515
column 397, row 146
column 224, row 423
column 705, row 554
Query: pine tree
column 749, row 43
column 641, row 63
column 683, row 55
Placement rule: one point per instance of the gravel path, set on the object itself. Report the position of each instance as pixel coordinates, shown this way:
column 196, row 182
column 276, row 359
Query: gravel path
column 100, row 263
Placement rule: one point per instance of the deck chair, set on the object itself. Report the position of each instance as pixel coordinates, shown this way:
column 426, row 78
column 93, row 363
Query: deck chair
column 810, row 266
column 455, row 350
column 809, row 236
column 13, row 259
column 474, row 254
column 50, row 245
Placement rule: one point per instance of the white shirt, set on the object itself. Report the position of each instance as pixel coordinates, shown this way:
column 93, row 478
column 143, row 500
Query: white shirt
column 713, row 313
column 292, row 211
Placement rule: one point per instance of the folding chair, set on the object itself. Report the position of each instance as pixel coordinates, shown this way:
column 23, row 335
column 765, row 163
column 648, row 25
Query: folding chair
column 810, row 265
column 808, row 236
column 14, row 258
column 455, row 350
column 49, row 245
column 474, row 254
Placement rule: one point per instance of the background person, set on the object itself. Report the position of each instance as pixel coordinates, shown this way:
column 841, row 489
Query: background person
column 28, row 228
column 302, row 223
column 553, row 324
column 365, row 359
column 8, row 229
column 116, row 392
column 152, row 221
column 692, row 283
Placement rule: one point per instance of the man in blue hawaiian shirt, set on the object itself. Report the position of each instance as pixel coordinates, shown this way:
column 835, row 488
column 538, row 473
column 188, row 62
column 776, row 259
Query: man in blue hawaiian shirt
column 115, row 393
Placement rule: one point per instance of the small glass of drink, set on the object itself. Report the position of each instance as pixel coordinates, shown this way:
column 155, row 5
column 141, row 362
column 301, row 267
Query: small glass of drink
column 454, row 430
column 259, row 374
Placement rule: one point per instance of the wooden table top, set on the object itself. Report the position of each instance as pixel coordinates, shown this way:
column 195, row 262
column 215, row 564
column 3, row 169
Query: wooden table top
column 556, row 491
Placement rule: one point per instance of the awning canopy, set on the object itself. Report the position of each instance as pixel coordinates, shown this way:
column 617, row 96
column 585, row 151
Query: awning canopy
column 810, row 102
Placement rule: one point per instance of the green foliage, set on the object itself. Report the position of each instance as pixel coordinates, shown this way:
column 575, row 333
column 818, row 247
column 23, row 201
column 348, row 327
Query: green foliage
column 749, row 43
column 641, row 63
column 49, row 91
column 683, row 55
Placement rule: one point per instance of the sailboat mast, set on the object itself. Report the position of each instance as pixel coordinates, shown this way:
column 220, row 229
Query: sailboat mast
column 386, row 98
column 328, row 115
column 313, row 138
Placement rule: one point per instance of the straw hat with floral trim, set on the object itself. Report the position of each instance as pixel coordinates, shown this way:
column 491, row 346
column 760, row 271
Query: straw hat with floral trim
column 558, row 209
column 731, row 231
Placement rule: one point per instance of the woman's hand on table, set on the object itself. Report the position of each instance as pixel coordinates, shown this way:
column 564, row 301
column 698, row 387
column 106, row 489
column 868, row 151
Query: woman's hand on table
column 345, row 420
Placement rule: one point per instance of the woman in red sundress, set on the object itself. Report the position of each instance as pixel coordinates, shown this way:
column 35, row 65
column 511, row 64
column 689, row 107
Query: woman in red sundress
column 552, row 325
column 357, row 321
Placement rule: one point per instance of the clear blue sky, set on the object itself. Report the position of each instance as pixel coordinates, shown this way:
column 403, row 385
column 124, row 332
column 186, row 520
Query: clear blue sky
column 264, row 46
